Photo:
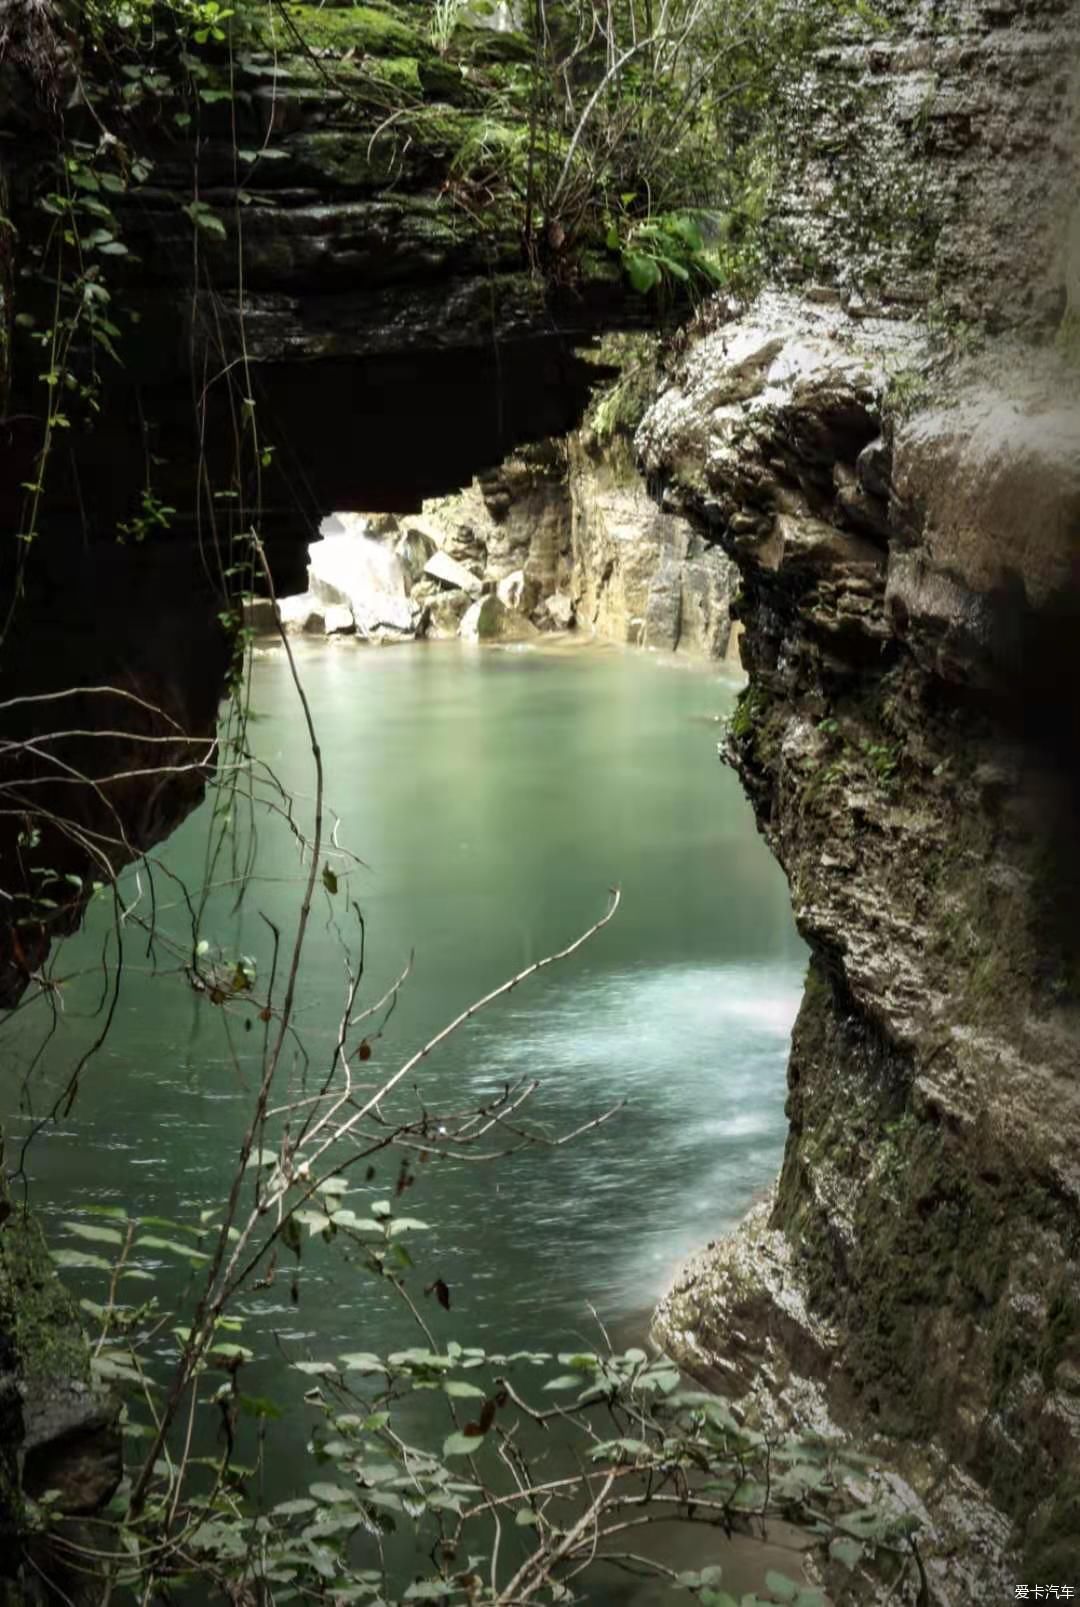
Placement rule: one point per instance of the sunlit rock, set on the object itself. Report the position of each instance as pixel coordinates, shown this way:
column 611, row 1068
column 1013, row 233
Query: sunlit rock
column 449, row 572
column 303, row 614
column 445, row 612
column 489, row 620
column 518, row 591
column 414, row 548
column 366, row 576
column 560, row 611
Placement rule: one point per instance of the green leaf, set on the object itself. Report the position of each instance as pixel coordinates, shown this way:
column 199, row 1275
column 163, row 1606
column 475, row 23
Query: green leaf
column 846, row 1552
column 150, row 1241
column 166, row 1222
column 462, row 1391
column 462, row 1444
column 669, row 265
column 362, row 1361
column 782, row 1587
column 331, row 1494
column 693, row 1579
column 293, row 1509
column 260, row 1406
column 687, row 231
column 201, row 215
column 641, row 271
column 79, row 1258
column 119, row 1372
column 83, row 1230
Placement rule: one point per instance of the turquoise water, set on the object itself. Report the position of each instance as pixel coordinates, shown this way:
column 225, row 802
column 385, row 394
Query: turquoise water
column 494, row 797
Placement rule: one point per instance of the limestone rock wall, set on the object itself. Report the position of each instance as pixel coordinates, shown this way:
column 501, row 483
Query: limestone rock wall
column 561, row 535
column 638, row 574
column 935, row 161
column 910, row 601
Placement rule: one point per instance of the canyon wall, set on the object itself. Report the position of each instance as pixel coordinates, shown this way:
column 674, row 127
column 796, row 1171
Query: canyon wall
column 562, row 535
column 890, row 454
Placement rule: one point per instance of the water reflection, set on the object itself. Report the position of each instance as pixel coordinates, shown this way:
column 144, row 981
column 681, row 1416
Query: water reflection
column 494, row 797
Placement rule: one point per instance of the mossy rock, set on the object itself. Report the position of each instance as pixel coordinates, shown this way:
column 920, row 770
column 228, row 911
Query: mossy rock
column 372, row 30
column 487, row 45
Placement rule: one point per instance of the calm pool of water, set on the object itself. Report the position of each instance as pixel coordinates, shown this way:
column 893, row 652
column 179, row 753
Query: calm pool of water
column 494, row 796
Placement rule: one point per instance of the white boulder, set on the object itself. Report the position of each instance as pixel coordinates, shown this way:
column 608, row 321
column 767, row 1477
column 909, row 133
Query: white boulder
column 560, row 610
column 366, row 577
column 440, row 566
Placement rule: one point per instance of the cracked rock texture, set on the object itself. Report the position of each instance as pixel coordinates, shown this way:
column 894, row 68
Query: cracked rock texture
column 935, row 160
column 907, row 739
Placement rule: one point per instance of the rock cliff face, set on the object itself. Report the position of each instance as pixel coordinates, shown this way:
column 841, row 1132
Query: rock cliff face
column 910, row 602
column 934, row 161
column 901, row 496
column 394, row 332
column 563, row 535
column 639, row 574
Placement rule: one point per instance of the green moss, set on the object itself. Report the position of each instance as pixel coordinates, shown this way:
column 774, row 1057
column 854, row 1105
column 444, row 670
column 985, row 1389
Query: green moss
column 398, row 72
column 1062, row 1322
column 374, row 32
column 488, row 45
column 40, row 1340
column 749, row 706
column 1052, row 1543
column 36, row 1308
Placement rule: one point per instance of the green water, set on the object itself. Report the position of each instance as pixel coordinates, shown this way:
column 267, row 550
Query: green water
column 494, row 796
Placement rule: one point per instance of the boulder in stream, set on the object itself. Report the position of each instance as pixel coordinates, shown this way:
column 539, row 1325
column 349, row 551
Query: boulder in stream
column 366, row 576
column 441, row 567
column 560, row 610
column 489, row 620
column 445, row 613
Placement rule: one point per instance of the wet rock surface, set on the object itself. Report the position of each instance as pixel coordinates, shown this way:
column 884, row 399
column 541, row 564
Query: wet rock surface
column 57, row 1431
column 905, row 740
